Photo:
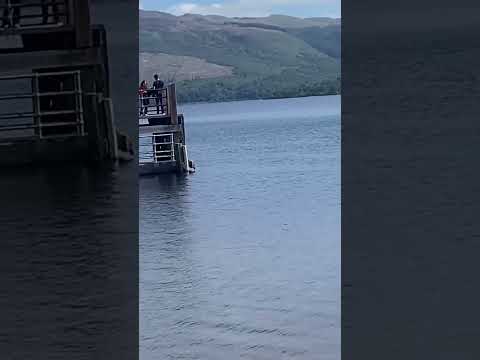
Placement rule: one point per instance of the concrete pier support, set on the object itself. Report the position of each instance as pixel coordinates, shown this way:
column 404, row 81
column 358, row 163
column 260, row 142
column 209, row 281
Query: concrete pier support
column 67, row 62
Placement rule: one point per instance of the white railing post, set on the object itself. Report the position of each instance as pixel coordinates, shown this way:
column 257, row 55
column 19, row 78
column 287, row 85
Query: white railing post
column 154, row 148
column 79, row 102
column 37, row 112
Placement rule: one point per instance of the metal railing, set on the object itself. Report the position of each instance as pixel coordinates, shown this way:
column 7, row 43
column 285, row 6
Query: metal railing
column 45, row 105
column 156, row 148
column 34, row 13
column 154, row 103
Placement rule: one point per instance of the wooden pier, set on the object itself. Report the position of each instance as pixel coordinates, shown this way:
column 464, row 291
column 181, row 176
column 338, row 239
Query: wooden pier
column 162, row 134
column 54, row 86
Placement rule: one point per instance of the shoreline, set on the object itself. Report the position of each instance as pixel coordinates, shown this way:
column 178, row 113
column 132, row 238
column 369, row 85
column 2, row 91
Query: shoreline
column 255, row 99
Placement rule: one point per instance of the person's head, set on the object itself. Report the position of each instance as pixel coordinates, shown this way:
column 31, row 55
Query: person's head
column 143, row 83
column 155, row 77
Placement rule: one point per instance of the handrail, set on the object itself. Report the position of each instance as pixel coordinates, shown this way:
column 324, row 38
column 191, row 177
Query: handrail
column 42, row 74
column 38, row 126
column 33, row 4
column 161, row 93
column 154, row 151
column 147, row 105
column 11, row 14
column 29, row 96
column 151, row 97
column 51, row 108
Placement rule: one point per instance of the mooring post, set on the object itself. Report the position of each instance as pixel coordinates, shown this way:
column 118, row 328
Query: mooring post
column 172, row 104
column 172, row 109
column 36, row 105
column 81, row 20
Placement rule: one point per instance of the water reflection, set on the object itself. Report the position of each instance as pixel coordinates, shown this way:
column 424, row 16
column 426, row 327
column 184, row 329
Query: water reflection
column 68, row 251
column 165, row 196
column 166, row 262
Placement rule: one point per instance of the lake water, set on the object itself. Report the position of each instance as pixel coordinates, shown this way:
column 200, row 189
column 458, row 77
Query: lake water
column 241, row 260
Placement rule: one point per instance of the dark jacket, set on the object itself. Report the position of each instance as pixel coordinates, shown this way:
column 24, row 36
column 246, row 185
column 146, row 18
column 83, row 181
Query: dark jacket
column 158, row 84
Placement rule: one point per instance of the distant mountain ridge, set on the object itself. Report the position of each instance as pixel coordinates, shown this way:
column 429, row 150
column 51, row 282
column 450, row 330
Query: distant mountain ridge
column 216, row 58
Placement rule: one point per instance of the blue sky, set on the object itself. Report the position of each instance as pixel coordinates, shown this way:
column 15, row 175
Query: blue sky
column 300, row 8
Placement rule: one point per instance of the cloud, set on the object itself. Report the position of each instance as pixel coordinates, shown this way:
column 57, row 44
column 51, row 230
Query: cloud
column 246, row 8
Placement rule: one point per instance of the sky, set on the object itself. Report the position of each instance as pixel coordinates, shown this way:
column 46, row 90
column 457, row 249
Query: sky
column 246, row 8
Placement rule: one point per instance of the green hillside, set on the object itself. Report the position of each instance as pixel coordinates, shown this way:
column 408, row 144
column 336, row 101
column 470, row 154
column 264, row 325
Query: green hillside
column 326, row 39
column 270, row 57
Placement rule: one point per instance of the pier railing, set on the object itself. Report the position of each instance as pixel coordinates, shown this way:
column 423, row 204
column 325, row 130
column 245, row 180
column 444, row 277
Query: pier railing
column 41, row 105
column 159, row 103
column 155, row 102
column 34, row 13
column 156, row 148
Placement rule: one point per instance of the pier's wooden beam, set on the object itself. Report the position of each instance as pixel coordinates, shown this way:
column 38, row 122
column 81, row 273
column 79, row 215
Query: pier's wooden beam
column 22, row 63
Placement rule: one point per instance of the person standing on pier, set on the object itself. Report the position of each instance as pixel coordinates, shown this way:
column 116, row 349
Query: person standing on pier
column 158, row 86
column 142, row 93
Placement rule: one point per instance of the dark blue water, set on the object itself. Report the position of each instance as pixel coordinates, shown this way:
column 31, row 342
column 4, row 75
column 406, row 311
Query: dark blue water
column 242, row 259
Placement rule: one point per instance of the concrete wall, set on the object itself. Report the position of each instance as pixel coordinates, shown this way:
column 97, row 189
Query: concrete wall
column 120, row 19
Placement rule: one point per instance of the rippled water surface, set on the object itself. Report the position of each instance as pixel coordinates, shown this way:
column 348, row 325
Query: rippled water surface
column 68, row 262
column 69, row 235
column 242, row 259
